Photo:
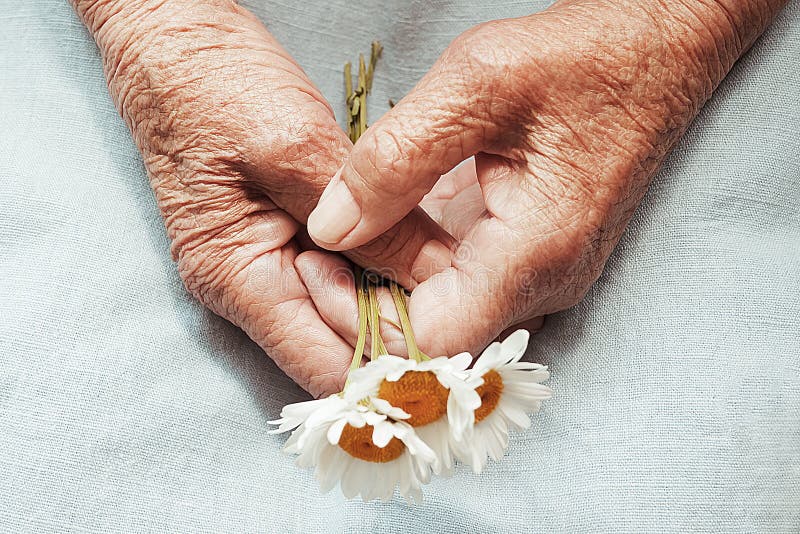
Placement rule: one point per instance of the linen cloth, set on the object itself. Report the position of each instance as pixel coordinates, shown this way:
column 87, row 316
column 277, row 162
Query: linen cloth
column 126, row 407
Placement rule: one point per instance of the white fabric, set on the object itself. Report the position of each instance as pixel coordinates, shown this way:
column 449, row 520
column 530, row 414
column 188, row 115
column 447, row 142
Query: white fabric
column 125, row 407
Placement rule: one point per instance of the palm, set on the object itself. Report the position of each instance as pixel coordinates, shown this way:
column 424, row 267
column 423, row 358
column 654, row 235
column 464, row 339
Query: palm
column 238, row 145
column 456, row 201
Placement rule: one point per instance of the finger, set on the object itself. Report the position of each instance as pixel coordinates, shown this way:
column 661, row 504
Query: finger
column 462, row 309
column 448, row 187
column 398, row 160
column 456, row 201
column 409, row 252
column 292, row 145
column 246, row 275
column 329, row 281
column 508, row 268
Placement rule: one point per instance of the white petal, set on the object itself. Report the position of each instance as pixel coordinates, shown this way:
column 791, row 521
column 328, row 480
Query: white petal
column 528, row 392
column 405, row 473
column 298, row 413
column 332, row 471
column 335, row 431
column 382, row 434
column 461, row 416
column 369, row 483
column 356, row 419
column 514, row 346
column 350, row 482
column 461, row 361
column 437, row 436
column 526, row 366
column 515, row 415
column 496, row 443
column 492, row 357
column 373, row 418
column 384, row 407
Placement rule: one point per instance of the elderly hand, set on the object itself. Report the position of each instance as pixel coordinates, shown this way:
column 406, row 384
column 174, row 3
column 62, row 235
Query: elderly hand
column 238, row 145
column 567, row 113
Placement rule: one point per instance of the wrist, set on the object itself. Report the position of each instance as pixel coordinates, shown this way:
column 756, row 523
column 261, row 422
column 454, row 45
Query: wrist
column 737, row 23
column 697, row 38
column 118, row 24
column 708, row 36
column 107, row 20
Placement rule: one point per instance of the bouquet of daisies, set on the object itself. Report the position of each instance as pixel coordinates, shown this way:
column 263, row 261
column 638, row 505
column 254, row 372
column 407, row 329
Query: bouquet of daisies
column 398, row 421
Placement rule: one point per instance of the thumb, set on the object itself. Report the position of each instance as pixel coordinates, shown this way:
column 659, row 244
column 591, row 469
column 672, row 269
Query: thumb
column 395, row 163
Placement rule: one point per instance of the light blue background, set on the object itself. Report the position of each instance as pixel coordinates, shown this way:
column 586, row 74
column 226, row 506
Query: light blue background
column 124, row 406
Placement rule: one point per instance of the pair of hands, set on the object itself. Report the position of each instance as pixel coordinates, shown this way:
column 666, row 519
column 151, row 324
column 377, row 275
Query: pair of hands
column 567, row 114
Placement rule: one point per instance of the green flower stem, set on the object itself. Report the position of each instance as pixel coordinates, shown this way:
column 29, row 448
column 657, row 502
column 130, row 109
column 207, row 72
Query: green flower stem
column 362, row 88
column 369, row 314
column 408, row 333
column 377, row 348
column 358, row 353
column 356, row 98
column 348, row 91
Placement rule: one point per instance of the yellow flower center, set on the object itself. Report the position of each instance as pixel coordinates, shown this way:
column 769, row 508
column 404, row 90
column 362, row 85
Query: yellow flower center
column 490, row 391
column 419, row 394
column 357, row 442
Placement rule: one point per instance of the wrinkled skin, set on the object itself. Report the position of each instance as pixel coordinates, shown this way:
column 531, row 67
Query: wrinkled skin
column 238, row 146
column 568, row 114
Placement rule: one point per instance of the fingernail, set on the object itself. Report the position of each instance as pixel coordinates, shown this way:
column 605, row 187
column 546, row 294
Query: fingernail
column 336, row 214
column 434, row 257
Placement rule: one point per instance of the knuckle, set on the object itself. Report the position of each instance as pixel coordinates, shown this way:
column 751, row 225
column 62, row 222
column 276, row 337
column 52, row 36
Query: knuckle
column 391, row 253
column 480, row 43
column 324, row 384
column 492, row 77
column 171, row 120
column 214, row 249
column 290, row 340
column 296, row 151
column 208, row 273
column 202, row 277
column 492, row 47
column 381, row 158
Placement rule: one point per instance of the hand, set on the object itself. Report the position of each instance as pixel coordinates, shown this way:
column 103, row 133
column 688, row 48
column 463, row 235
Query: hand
column 238, row 145
column 567, row 113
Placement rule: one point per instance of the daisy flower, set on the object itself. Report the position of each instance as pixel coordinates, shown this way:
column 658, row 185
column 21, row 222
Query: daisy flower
column 511, row 389
column 398, row 420
column 361, row 443
column 364, row 451
column 313, row 412
column 438, row 394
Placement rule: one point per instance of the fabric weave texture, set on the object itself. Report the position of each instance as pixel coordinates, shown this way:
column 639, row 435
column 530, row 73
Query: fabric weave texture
column 126, row 407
